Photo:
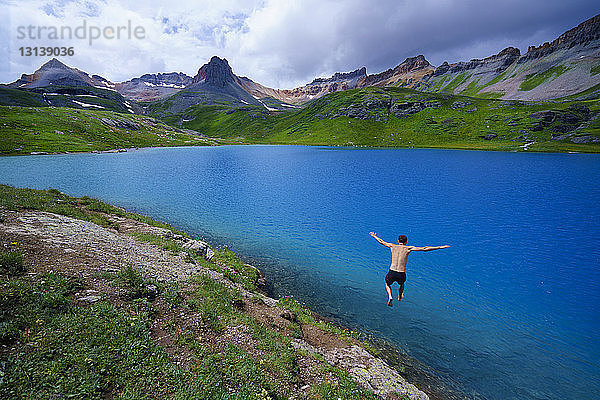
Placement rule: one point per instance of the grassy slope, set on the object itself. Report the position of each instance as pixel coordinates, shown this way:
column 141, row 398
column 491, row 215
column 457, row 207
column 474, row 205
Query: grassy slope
column 322, row 122
column 534, row 80
column 107, row 351
column 49, row 129
column 81, row 97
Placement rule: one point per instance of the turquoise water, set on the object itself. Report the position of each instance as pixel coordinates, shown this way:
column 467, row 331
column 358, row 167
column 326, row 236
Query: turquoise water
column 509, row 311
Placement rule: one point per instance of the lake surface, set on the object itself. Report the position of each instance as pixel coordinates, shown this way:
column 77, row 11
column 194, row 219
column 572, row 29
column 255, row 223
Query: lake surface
column 510, row 311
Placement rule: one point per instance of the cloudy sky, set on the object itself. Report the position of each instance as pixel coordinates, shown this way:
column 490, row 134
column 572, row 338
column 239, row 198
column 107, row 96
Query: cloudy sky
column 279, row 43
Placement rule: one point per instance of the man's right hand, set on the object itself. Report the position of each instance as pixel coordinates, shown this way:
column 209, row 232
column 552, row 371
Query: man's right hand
column 372, row 234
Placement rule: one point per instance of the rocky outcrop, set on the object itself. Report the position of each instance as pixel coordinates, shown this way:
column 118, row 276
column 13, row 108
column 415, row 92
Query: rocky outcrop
column 216, row 72
column 582, row 34
column 369, row 371
column 342, row 76
column 150, row 87
column 408, row 73
column 121, row 123
column 562, row 121
column 498, row 63
column 199, row 247
column 404, row 109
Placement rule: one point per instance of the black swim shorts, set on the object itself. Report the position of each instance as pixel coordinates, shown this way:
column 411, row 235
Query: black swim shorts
column 395, row 276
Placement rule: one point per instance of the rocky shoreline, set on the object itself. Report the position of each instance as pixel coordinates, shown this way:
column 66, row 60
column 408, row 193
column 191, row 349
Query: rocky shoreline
column 57, row 243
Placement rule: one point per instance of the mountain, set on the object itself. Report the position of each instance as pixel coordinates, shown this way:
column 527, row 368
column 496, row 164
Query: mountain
column 150, row 87
column 407, row 74
column 317, row 88
column 566, row 66
column 58, row 85
column 55, row 72
column 214, row 84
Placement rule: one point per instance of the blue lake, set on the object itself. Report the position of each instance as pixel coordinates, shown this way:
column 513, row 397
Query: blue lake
column 510, row 311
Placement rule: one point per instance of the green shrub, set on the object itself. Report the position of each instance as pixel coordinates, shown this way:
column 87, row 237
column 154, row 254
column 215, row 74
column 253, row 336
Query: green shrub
column 11, row 262
column 137, row 287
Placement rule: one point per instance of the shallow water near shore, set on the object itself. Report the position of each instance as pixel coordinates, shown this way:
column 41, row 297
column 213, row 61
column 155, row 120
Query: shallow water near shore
column 509, row 311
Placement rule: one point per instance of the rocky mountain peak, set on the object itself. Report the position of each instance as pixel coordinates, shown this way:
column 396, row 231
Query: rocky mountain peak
column 582, row 34
column 53, row 64
column 216, row 72
column 411, row 64
column 342, row 76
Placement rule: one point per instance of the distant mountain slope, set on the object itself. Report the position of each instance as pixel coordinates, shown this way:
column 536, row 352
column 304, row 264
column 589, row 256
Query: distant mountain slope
column 568, row 65
column 402, row 117
column 317, row 88
column 55, row 72
column 58, row 85
column 150, row 87
column 215, row 83
column 28, row 130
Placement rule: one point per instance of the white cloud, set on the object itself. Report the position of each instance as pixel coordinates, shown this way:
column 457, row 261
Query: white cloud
column 285, row 43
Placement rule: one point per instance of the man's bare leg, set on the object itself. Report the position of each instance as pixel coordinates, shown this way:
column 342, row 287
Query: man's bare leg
column 389, row 292
column 400, row 292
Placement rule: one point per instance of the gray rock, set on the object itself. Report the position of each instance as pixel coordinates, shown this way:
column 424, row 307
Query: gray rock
column 460, row 104
column 89, row 299
column 367, row 370
column 121, row 123
column 489, row 136
column 585, row 139
column 209, row 254
column 152, row 290
column 197, row 245
column 289, row 315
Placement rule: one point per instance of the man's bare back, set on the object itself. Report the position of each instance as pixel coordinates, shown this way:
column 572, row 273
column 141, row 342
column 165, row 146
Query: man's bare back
column 400, row 254
column 399, row 257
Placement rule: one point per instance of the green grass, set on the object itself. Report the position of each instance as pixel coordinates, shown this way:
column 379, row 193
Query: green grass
column 595, row 70
column 342, row 387
column 322, row 122
column 9, row 97
column 305, row 316
column 460, row 78
column 238, row 271
column 54, row 130
column 11, row 262
column 99, row 352
column 534, row 80
column 164, row 243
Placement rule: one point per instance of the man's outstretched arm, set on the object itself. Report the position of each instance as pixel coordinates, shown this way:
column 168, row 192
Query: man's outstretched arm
column 428, row 248
column 379, row 240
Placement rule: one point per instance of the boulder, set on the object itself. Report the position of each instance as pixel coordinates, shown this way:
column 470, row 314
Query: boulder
column 489, row 136
column 209, row 253
column 198, row 246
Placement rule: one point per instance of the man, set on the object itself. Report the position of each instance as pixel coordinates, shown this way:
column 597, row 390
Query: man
column 400, row 254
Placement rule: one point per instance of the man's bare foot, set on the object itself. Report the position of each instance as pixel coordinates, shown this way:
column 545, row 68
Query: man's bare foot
column 400, row 298
column 390, row 302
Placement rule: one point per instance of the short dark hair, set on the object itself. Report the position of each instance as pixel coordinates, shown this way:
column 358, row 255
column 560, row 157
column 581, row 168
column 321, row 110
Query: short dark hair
column 402, row 239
